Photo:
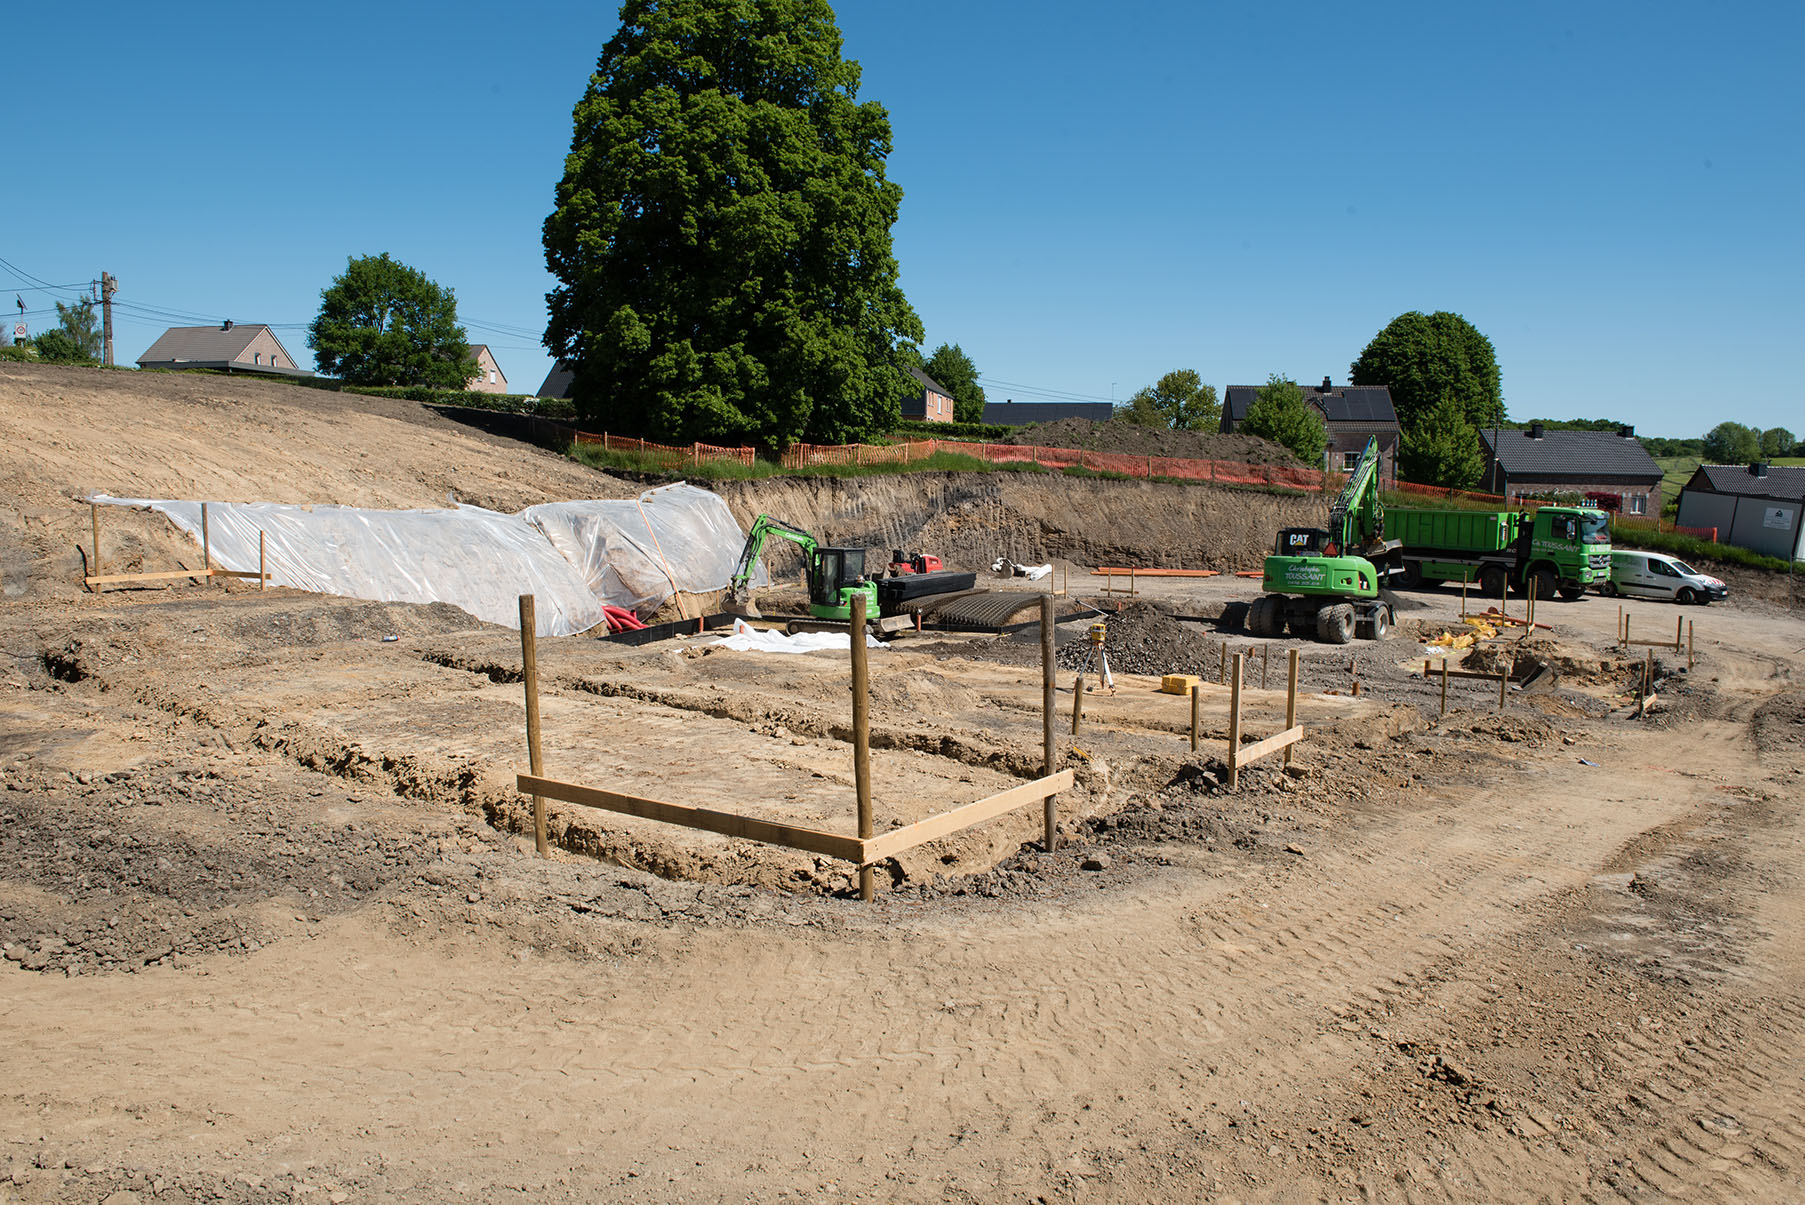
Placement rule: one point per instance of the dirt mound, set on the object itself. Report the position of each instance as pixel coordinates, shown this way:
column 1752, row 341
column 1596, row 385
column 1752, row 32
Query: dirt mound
column 1576, row 663
column 1144, row 639
column 1118, row 436
column 1779, row 723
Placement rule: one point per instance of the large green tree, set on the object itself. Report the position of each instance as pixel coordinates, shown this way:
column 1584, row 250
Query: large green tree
column 950, row 366
column 722, row 233
column 1280, row 413
column 384, row 323
column 1426, row 357
column 1732, row 443
column 1442, row 449
column 1778, row 441
column 1179, row 400
column 76, row 337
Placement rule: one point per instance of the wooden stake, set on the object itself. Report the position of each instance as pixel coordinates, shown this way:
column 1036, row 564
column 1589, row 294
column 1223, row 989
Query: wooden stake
column 1265, row 663
column 94, row 514
column 1049, row 749
column 529, row 674
column 1689, row 646
column 1642, row 691
column 206, row 548
column 1463, row 597
column 1222, row 662
column 1620, row 623
column 1444, row 686
column 861, row 737
column 1196, row 714
column 1503, row 679
column 1291, row 700
column 1234, row 727
column 1679, row 624
column 262, row 563
column 1077, row 703
column 1626, row 631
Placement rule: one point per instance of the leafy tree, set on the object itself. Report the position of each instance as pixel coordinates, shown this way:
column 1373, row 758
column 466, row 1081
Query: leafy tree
column 1778, row 441
column 76, row 338
column 1442, row 448
column 1140, row 410
column 1180, row 400
column 1731, row 443
column 1280, row 413
column 950, row 366
column 1657, row 445
column 722, row 233
column 384, row 323
column 1423, row 357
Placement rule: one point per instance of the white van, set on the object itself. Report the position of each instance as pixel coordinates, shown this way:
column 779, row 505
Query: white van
column 1654, row 575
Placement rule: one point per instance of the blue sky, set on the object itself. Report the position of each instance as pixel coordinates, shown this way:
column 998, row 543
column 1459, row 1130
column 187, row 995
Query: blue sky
column 1095, row 194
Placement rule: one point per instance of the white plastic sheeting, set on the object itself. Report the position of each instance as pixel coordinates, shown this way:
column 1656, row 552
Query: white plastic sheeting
column 574, row 556
column 748, row 639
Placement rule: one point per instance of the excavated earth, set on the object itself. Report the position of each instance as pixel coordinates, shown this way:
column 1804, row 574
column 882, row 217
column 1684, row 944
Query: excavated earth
column 272, row 927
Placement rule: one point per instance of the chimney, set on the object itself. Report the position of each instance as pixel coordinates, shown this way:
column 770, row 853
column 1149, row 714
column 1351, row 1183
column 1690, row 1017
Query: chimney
column 226, row 325
column 1535, row 430
column 1757, row 468
column 1626, row 432
column 1325, row 385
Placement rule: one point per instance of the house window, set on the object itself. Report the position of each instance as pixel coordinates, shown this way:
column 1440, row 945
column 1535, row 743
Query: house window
column 273, row 362
column 1638, row 503
column 1349, row 460
column 256, row 357
column 491, row 376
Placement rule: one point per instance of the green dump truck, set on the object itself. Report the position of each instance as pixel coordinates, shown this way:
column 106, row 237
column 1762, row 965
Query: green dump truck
column 1563, row 549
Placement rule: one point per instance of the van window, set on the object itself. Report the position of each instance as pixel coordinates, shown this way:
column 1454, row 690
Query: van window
column 1660, row 568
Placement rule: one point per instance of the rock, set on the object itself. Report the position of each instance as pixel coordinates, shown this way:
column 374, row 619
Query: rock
column 1295, row 849
column 122, row 1197
column 1095, row 862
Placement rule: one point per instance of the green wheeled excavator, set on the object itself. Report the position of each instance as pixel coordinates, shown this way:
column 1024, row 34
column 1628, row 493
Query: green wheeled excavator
column 1330, row 584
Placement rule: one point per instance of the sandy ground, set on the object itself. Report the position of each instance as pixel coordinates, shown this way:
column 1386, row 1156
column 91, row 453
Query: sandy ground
column 271, row 930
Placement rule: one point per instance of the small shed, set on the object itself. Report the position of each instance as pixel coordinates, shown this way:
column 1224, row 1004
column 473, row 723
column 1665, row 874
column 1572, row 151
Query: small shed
column 1756, row 506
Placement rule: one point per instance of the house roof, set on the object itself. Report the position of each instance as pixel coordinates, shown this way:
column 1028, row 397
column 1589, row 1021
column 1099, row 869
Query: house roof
column 1573, row 455
column 1782, row 481
column 929, row 382
column 1019, row 414
column 558, row 380
column 223, row 344
column 1365, row 404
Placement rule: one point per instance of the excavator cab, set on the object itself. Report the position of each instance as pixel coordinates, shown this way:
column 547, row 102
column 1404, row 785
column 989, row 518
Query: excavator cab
column 1301, row 541
column 835, row 573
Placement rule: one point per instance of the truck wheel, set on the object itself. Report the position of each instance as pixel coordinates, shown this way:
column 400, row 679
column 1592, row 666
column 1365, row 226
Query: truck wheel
column 1335, row 624
column 1412, row 577
column 1685, row 597
column 1608, row 588
column 1546, row 584
column 1572, row 591
column 1492, row 581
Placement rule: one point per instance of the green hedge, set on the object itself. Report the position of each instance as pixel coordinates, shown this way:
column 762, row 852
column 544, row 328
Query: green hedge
column 976, row 432
column 507, row 403
column 1691, row 548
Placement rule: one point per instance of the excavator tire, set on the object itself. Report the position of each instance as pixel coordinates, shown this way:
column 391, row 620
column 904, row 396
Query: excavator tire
column 1265, row 615
column 1335, row 623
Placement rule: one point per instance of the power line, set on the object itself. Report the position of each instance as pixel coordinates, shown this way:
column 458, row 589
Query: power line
column 1042, row 392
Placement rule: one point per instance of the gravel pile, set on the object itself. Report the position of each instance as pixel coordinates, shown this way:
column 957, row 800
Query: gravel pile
column 1143, row 639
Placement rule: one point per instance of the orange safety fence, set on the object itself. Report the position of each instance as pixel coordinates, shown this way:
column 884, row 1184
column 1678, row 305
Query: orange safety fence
column 693, row 453
column 1653, row 523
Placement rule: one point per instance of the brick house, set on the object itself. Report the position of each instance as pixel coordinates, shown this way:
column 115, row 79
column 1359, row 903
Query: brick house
column 228, row 347
column 1597, row 463
column 929, row 402
column 489, row 377
column 1757, row 506
column 1351, row 414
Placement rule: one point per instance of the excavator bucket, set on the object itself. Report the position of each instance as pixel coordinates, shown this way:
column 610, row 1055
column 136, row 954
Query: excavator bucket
column 740, row 603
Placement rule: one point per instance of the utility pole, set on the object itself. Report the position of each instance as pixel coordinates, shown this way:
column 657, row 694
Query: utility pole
column 108, row 286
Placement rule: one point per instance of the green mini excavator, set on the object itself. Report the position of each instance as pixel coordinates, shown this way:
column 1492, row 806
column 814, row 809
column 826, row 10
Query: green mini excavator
column 835, row 575
column 1329, row 584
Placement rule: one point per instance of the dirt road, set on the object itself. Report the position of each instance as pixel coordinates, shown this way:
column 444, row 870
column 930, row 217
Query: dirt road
column 264, row 940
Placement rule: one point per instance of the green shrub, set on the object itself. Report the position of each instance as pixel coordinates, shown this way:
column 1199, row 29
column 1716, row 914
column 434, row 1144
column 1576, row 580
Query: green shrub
column 507, row 403
column 18, row 352
column 911, row 429
column 1691, row 548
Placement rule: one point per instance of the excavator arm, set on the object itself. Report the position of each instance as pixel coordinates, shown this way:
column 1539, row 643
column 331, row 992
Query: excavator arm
column 763, row 528
column 1357, row 518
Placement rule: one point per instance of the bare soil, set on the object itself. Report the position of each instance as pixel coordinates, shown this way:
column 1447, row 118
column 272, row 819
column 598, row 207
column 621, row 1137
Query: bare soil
column 271, row 927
